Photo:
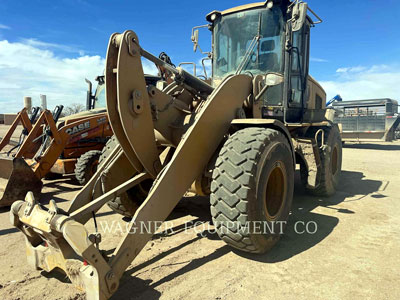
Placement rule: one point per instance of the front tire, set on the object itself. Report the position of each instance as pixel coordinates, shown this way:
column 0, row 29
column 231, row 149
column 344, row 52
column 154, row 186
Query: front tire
column 127, row 203
column 252, row 185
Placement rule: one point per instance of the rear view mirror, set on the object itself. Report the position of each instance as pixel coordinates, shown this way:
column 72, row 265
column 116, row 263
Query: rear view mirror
column 273, row 79
column 195, row 39
column 299, row 16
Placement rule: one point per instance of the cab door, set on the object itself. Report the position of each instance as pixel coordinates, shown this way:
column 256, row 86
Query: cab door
column 299, row 63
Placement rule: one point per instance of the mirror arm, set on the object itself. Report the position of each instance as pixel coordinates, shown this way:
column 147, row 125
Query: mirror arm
column 318, row 18
column 261, row 93
column 209, row 54
column 197, row 27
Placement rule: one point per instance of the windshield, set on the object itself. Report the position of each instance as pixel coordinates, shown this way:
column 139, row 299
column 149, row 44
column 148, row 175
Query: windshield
column 234, row 34
column 100, row 96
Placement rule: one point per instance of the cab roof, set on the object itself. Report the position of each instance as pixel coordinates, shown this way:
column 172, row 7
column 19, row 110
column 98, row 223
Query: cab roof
column 243, row 7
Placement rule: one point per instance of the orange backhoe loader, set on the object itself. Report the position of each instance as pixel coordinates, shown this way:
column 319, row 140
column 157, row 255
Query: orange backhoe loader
column 72, row 146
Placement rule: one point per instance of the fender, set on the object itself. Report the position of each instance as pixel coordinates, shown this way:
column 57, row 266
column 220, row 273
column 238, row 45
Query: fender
column 267, row 123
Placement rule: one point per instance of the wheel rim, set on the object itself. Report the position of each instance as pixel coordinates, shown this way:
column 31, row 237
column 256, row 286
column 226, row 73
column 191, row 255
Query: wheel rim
column 275, row 193
column 334, row 161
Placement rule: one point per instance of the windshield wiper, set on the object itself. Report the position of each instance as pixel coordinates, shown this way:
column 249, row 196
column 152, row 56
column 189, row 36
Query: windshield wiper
column 243, row 63
column 254, row 42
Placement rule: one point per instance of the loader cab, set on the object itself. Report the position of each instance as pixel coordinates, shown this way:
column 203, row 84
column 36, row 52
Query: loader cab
column 98, row 99
column 260, row 39
column 100, row 95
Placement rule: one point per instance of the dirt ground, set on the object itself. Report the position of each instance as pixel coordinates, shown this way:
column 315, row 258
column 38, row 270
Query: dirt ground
column 354, row 253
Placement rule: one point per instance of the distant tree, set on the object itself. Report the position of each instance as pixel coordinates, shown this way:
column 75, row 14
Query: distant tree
column 72, row 109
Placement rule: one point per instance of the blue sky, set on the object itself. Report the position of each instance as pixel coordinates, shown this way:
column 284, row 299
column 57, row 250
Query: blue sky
column 355, row 51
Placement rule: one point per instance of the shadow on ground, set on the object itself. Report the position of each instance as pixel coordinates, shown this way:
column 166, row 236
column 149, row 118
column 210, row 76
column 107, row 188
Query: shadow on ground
column 58, row 186
column 352, row 185
column 294, row 241
column 8, row 231
column 371, row 146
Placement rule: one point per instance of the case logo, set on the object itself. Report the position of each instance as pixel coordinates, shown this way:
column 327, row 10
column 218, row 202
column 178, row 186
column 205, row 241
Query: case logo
column 78, row 128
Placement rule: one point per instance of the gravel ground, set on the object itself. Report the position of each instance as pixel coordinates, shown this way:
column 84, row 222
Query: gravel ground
column 354, row 253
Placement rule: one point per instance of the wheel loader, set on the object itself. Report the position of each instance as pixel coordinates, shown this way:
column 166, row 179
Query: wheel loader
column 50, row 145
column 236, row 137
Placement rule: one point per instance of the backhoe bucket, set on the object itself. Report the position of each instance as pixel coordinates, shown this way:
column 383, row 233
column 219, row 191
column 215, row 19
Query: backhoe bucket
column 16, row 179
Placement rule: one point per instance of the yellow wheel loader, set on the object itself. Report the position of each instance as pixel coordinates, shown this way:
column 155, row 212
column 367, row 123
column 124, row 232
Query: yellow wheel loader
column 236, row 136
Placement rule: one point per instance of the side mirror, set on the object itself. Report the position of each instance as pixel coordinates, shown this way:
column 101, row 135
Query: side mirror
column 299, row 15
column 273, row 79
column 195, row 39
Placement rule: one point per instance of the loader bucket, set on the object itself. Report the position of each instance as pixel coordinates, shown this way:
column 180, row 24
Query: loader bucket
column 16, row 179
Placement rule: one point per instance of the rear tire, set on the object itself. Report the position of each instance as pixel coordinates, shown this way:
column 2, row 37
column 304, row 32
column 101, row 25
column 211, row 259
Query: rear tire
column 129, row 202
column 86, row 166
column 252, row 183
column 331, row 161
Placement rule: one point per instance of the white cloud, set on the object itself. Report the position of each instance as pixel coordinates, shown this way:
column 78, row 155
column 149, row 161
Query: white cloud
column 26, row 69
column 149, row 67
column 2, row 26
column 352, row 70
column 47, row 46
column 361, row 82
column 316, row 59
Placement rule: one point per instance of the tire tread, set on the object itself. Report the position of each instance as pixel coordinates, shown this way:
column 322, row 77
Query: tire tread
column 232, row 181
